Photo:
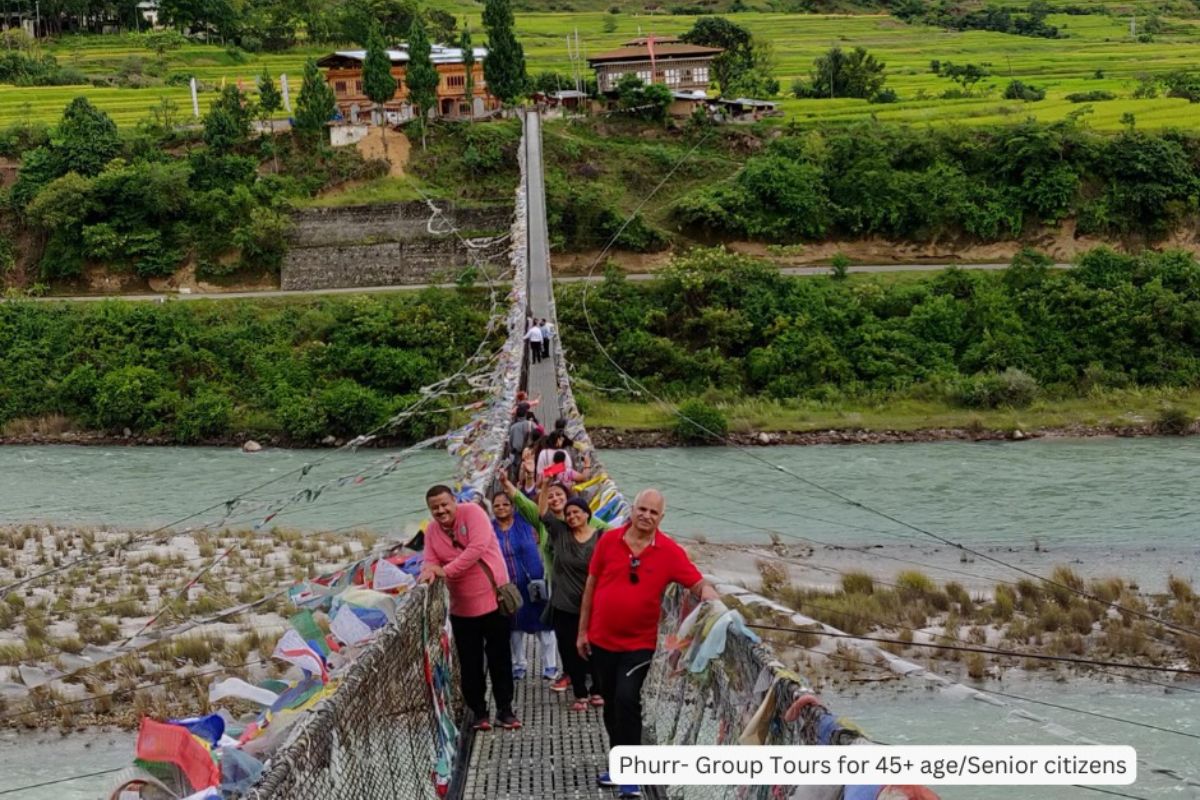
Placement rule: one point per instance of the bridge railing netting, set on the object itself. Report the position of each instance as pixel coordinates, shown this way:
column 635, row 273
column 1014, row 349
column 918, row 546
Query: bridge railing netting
column 388, row 730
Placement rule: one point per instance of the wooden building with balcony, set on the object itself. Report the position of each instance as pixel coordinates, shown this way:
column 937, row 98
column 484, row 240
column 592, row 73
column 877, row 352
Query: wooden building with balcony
column 343, row 72
column 681, row 67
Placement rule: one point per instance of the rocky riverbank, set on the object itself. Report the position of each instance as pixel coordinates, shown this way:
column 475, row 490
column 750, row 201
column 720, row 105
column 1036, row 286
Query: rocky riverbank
column 611, row 438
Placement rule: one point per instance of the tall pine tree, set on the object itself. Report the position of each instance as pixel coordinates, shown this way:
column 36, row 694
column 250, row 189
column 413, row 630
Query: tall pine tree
column 315, row 106
column 378, row 82
column 421, row 76
column 269, row 101
column 504, row 67
column 468, row 59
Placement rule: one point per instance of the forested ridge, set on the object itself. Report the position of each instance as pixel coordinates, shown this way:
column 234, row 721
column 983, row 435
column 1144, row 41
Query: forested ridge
column 202, row 371
column 714, row 320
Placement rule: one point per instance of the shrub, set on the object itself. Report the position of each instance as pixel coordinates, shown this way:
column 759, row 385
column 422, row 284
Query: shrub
column 858, row 583
column 1081, row 619
column 351, row 409
column 1174, row 421
column 914, row 584
column 1016, row 90
column 1012, row 388
column 206, row 414
column 1090, row 97
column 125, row 397
column 1004, row 603
column 700, row 422
column 885, row 96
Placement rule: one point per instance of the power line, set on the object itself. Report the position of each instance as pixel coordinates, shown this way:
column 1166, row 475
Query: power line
column 56, row 781
column 985, row 650
column 1032, row 701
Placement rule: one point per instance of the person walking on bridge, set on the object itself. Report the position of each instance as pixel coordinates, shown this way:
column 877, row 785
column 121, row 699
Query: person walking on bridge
column 618, row 623
column 461, row 547
column 519, row 544
column 534, row 337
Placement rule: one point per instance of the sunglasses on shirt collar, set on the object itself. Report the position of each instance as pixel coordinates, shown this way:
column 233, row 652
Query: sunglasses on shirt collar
column 634, row 563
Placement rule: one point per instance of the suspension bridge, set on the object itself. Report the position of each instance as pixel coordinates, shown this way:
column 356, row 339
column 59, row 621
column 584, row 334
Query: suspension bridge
column 394, row 727
column 390, row 721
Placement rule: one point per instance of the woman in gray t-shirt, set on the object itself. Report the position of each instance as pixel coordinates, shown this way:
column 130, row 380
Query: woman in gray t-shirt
column 571, row 539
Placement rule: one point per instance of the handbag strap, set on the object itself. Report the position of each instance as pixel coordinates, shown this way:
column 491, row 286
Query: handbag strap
column 486, row 569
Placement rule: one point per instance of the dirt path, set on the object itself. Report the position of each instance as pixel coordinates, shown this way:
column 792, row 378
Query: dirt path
column 398, row 148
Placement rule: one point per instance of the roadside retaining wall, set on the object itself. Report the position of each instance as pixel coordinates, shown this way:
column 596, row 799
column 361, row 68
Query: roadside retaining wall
column 394, row 244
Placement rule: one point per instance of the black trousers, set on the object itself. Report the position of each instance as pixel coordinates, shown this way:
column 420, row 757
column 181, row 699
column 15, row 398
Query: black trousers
column 620, row 676
column 566, row 630
column 479, row 641
column 535, row 352
column 545, row 348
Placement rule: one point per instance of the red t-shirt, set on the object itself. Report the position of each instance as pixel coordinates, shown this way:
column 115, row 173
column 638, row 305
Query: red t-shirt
column 625, row 614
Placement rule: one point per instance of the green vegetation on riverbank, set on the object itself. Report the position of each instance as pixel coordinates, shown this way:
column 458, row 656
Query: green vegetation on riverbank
column 1030, row 346
column 296, row 369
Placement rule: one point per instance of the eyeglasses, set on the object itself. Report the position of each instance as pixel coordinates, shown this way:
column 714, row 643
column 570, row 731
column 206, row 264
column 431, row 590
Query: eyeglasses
column 634, row 563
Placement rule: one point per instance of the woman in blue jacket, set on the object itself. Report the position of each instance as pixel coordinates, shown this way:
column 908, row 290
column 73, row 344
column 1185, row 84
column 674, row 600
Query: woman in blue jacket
column 519, row 545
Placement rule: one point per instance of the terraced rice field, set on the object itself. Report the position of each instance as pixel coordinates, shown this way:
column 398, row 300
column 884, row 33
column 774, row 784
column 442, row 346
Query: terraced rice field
column 1063, row 66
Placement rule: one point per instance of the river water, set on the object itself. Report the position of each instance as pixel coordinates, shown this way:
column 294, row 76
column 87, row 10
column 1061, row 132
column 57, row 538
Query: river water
column 1107, row 506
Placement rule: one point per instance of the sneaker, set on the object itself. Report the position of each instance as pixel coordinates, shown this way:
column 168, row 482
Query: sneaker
column 481, row 724
column 508, row 720
column 518, row 673
column 596, row 700
column 630, row 792
column 603, row 779
column 561, row 685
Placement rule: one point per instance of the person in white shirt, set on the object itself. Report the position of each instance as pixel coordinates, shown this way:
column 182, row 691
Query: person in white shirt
column 534, row 337
column 547, row 332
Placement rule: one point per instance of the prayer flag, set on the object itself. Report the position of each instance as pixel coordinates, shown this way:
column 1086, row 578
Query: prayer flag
column 348, row 627
column 159, row 741
column 389, row 576
column 293, row 649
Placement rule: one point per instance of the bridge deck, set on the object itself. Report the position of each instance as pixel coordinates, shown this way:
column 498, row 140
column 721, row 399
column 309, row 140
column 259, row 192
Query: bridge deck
column 557, row 753
column 541, row 379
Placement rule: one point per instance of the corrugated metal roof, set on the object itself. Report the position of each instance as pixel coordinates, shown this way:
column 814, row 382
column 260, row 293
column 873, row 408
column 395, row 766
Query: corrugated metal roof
column 660, row 51
column 439, row 54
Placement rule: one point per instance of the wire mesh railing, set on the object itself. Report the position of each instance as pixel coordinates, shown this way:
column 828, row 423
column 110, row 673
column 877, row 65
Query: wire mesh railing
column 743, row 696
column 388, row 729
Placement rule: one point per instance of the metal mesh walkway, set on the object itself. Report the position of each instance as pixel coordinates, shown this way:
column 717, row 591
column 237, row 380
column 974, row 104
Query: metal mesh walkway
column 557, row 754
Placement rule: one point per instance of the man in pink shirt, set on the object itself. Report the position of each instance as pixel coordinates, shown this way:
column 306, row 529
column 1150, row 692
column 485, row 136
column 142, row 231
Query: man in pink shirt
column 457, row 542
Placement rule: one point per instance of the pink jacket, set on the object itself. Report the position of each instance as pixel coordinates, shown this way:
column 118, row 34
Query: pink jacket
column 471, row 594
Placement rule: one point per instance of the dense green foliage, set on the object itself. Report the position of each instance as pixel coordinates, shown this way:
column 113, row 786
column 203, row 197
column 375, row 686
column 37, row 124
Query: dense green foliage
column 378, row 83
column 504, row 68
column 201, row 370
column 128, row 203
column 839, row 74
column 420, row 76
column 988, row 184
column 315, row 106
column 715, row 322
column 997, row 18
column 746, row 66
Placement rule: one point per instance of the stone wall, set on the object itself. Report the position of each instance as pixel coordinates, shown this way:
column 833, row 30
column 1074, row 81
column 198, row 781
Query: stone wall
column 394, row 244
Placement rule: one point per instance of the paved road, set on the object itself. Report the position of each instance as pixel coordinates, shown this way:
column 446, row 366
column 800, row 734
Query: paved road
column 637, row 276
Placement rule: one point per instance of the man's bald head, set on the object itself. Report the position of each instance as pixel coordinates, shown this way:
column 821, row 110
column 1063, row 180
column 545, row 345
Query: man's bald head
column 648, row 509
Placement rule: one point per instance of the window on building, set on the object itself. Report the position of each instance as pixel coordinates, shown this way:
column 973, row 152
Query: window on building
column 358, row 87
column 687, row 75
column 700, row 75
column 456, row 81
column 671, row 76
column 644, row 74
column 339, row 87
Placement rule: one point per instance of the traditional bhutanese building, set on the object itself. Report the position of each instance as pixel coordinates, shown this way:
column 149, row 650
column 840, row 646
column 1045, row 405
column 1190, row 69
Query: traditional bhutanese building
column 681, row 67
column 343, row 73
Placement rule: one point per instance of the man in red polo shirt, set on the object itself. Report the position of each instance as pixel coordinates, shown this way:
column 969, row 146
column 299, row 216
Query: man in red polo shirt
column 618, row 622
